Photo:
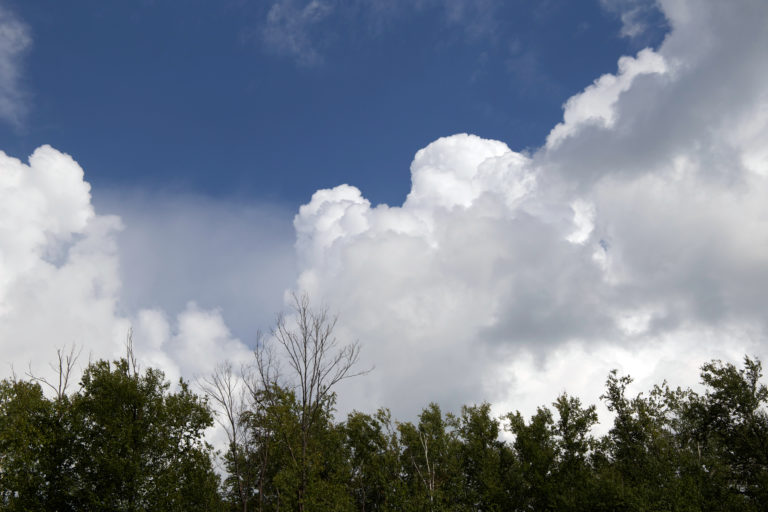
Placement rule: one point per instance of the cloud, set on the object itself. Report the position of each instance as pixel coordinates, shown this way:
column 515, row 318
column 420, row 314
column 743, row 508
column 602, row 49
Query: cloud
column 300, row 29
column 597, row 104
column 637, row 16
column 287, row 29
column 15, row 40
column 61, row 283
column 633, row 238
column 225, row 254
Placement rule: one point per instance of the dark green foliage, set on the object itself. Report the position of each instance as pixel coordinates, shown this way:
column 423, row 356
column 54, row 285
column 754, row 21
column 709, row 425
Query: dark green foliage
column 669, row 450
column 283, row 464
column 35, row 456
column 375, row 462
column 728, row 426
column 123, row 442
column 486, row 462
column 431, row 461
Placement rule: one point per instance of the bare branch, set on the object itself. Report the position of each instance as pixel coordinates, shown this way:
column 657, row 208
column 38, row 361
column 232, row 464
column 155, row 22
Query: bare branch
column 63, row 369
column 130, row 356
column 316, row 364
column 227, row 392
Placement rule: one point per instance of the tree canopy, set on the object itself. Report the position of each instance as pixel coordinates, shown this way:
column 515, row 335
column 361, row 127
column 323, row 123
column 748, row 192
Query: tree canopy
column 126, row 440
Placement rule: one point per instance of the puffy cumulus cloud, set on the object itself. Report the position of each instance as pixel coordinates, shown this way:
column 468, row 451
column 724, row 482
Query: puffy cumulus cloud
column 597, row 104
column 60, row 281
column 635, row 238
column 57, row 259
column 476, row 263
column 191, row 350
column 15, row 39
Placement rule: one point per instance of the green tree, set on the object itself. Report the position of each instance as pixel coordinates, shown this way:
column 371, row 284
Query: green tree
column 293, row 467
column 34, row 467
column 35, row 441
column 291, row 446
column 573, row 477
column 376, row 468
column 138, row 445
column 727, row 434
column 535, row 451
column 486, row 461
column 122, row 442
column 432, row 463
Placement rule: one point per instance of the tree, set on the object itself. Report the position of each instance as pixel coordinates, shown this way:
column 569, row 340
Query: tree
column 729, row 427
column 431, row 454
column 122, row 442
column 32, row 469
column 573, row 476
column 291, row 449
column 485, row 460
column 225, row 388
column 139, row 446
column 535, row 452
column 373, row 449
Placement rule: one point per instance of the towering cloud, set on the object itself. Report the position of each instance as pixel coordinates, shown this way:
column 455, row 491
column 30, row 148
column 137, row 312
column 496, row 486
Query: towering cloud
column 636, row 237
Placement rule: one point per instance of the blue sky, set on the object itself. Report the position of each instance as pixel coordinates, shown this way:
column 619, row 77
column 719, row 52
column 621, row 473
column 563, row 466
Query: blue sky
column 207, row 98
column 500, row 199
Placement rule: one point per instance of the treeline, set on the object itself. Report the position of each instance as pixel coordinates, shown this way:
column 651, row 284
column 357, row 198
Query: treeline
column 670, row 450
column 124, row 441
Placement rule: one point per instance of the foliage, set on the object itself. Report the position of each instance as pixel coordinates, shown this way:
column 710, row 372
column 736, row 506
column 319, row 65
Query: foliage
column 125, row 441
column 122, row 442
column 669, row 449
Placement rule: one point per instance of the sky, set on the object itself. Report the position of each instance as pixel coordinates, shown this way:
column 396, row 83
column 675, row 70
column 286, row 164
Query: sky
column 501, row 200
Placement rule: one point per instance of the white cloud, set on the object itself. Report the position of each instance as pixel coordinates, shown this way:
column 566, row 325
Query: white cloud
column 60, row 281
column 225, row 254
column 634, row 238
column 597, row 104
column 15, row 39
